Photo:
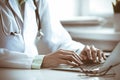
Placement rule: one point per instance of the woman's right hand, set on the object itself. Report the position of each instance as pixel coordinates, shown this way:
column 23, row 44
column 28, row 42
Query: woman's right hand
column 61, row 57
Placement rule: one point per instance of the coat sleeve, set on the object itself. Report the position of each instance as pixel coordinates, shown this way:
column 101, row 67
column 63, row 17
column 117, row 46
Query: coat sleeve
column 55, row 36
column 12, row 59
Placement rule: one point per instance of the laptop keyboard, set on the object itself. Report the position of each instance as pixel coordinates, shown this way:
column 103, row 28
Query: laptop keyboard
column 77, row 69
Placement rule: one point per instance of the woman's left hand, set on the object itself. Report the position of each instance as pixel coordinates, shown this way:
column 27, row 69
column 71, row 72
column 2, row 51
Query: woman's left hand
column 90, row 54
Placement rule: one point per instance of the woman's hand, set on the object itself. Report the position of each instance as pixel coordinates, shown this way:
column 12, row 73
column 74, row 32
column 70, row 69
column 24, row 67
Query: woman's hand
column 61, row 57
column 90, row 54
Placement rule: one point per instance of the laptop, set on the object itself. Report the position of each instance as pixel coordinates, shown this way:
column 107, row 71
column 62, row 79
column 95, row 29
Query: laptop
column 114, row 58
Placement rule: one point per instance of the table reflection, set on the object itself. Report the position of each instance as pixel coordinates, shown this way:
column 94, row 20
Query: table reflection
column 44, row 74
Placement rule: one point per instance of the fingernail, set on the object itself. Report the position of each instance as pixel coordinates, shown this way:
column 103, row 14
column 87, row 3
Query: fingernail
column 80, row 63
column 91, row 58
column 95, row 61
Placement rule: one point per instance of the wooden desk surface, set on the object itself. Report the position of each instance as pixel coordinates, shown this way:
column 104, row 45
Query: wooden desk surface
column 44, row 74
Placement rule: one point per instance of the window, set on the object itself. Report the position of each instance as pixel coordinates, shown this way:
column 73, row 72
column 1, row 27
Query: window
column 64, row 8
column 69, row 8
column 100, row 7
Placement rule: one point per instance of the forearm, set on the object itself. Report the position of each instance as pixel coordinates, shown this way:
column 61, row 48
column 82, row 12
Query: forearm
column 55, row 36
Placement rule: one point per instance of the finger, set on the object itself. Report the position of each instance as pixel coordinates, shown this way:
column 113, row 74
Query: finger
column 99, row 52
column 83, row 55
column 72, row 53
column 94, row 53
column 88, row 51
column 68, row 63
column 103, row 55
column 65, row 52
column 70, row 58
column 77, row 57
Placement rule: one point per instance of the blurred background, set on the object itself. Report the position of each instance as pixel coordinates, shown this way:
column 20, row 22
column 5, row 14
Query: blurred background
column 82, row 7
column 88, row 21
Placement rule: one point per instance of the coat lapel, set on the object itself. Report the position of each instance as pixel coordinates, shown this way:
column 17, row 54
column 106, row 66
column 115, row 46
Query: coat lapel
column 15, row 8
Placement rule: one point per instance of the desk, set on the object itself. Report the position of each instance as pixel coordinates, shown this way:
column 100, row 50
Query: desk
column 44, row 74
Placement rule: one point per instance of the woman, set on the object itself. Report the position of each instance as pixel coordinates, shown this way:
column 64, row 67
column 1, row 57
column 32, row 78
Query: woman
column 18, row 32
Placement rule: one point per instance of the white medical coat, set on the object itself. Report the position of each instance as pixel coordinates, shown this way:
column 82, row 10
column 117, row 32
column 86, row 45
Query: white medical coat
column 19, row 50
